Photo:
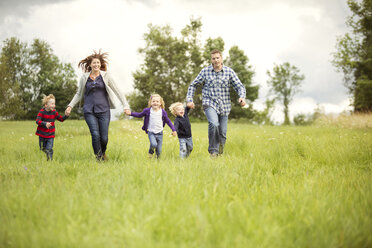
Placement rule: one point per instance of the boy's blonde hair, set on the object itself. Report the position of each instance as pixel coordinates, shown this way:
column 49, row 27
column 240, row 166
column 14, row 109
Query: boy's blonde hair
column 162, row 104
column 47, row 98
column 173, row 107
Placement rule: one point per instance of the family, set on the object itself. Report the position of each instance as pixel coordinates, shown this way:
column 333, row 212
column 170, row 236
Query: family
column 98, row 90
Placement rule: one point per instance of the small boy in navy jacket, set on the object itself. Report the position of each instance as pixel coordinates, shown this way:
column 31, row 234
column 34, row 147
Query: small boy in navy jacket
column 183, row 128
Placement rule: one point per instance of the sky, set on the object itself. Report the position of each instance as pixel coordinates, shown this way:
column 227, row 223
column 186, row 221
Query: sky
column 270, row 32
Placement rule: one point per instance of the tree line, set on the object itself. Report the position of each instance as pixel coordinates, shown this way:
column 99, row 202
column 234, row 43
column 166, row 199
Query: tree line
column 353, row 56
column 170, row 63
column 27, row 73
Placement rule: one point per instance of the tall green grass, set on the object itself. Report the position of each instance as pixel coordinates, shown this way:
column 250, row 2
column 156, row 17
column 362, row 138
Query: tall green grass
column 274, row 187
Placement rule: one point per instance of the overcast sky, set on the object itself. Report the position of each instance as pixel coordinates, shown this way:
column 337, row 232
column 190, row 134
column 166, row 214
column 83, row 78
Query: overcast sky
column 302, row 33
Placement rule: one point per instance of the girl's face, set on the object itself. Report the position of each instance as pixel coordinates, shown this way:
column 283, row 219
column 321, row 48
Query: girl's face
column 155, row 102
column 180, row 111
column 50, row 105
column 95, row 65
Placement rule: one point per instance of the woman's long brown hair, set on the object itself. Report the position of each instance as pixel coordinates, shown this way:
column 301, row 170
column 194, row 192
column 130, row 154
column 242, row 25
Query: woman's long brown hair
column 85, row 63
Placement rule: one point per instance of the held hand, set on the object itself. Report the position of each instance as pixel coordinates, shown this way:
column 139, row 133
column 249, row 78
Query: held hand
column 242, row 102
column 191, row 105
column 174, row 133
column 68, row 111
column 48, row 124
column 127, row 111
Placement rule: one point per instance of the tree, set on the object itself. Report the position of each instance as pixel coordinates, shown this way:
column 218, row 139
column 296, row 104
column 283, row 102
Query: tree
column 238, row 61
column 14, row 79
column 264, row 116
column 285, row 82
column 354, row 52
column 165, row 68
column 50, row 76
column 171, row 63
column 30, row 72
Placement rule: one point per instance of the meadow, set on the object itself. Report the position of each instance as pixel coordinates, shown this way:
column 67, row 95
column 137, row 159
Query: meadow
column 275, row 186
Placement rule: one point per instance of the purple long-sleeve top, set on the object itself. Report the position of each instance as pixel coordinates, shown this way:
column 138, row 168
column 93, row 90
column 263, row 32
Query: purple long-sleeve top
column 146, row 114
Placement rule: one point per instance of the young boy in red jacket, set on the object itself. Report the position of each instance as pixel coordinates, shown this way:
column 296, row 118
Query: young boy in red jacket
column 46, row 130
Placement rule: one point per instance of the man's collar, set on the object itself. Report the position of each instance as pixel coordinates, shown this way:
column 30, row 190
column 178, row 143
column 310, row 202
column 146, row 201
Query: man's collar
column 219, row 70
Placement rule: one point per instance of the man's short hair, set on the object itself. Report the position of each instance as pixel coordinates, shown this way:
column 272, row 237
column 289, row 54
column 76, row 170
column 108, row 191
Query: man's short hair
column 214, row 51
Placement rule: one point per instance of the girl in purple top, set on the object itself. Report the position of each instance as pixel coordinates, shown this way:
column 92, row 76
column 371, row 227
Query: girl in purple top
column 154, row 122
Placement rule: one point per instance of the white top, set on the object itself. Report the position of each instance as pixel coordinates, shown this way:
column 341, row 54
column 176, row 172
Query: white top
column 156, row 121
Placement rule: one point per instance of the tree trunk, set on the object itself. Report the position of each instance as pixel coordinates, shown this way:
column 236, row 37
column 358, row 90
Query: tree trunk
column 286, row 111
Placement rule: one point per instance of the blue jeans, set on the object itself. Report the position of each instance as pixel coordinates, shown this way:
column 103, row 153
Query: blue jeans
column 98, row 124
column 156, row 143
column 185, row 147
column 217, row 129
column 46, row 145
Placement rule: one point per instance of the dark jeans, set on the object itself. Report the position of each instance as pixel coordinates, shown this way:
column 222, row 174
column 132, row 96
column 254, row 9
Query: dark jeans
column 46, row 145
column 98, row 124
column 156, row 143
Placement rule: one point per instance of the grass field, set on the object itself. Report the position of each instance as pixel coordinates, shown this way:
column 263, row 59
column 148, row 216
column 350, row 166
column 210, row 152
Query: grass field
column 275, row 186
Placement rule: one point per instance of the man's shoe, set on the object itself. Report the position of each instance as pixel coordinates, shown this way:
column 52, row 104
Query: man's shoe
column 220, row 150
column 214, row 155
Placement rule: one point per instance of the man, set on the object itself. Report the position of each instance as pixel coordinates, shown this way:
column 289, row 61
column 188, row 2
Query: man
column 216, row 81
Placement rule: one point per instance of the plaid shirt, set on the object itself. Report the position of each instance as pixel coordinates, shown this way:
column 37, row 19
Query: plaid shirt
column 216, row 88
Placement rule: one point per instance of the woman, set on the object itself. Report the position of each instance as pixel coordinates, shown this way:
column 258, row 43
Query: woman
column 97, row 88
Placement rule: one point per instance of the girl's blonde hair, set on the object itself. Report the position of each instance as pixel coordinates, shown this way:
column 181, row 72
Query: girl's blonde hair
column 47, row 98
column 162, row 104
column 173, row 107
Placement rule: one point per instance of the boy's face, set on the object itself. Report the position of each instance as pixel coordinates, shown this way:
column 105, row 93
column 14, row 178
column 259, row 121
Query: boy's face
column 180, row 111
column 50, row 105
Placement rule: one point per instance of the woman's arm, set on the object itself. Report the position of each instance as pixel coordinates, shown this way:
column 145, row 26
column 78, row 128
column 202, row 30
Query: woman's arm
column 77, row 97
column 117, row 91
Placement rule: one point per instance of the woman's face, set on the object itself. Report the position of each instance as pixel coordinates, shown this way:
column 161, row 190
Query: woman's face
column 95, row 65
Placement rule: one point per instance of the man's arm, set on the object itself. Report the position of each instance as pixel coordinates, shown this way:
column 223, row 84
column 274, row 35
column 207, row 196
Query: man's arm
column 192, row 88
column 238, row 87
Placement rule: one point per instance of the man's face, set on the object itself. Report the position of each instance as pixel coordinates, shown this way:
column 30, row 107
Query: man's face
column 216, row 60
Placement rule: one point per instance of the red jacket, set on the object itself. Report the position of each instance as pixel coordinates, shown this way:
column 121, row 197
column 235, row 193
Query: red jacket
column 47, row 116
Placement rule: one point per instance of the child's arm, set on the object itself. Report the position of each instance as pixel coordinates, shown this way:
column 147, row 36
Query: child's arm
column 176, row 126
column 169, row 122
column 39, row 120
column 139, row 114
column 60, row 117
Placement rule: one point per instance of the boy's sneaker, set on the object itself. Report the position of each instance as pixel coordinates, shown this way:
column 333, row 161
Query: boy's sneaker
column 150, row 156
